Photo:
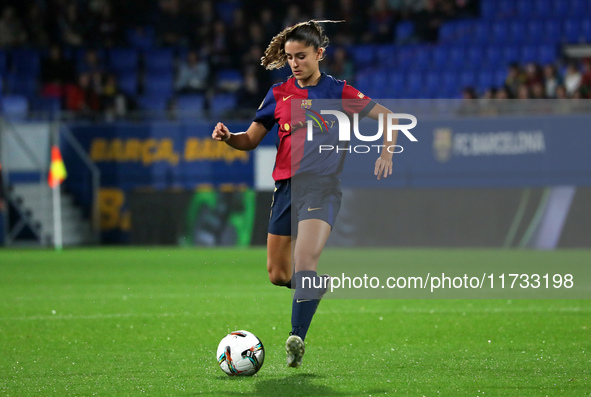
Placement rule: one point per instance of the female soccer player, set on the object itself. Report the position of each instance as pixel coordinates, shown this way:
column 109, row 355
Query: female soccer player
column 302, row 214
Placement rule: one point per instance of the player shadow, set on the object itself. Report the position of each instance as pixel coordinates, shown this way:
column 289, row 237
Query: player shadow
column 298, row 385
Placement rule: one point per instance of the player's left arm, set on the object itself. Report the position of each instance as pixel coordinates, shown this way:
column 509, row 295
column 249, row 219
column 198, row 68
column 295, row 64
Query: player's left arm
column 383, row 165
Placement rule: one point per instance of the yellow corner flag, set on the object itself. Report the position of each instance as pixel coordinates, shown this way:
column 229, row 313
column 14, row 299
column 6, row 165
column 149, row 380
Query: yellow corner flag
column 57, row 171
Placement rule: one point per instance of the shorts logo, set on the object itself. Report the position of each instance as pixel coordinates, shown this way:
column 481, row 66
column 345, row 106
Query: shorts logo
column 314, row 209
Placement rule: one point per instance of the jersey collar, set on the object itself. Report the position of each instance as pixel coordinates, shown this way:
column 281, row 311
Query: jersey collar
column 322, row 75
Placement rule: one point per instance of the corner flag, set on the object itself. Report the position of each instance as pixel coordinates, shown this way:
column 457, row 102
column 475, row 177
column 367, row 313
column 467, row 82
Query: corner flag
column 57, row 171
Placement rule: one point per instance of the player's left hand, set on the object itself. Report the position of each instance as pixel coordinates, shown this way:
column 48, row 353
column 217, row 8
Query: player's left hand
column 383, row 167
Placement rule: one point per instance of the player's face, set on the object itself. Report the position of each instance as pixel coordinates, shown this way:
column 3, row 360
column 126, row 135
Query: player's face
column 303, row 61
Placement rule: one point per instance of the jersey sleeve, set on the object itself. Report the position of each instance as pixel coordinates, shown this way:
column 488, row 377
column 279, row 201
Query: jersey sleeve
column 354, row 101
column 266, row 112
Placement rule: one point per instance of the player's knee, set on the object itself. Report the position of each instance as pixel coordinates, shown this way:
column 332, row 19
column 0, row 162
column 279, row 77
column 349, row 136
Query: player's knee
column 278, row 277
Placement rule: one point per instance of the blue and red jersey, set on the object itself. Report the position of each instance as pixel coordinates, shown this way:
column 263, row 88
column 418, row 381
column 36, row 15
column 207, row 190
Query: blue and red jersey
column 290, row 106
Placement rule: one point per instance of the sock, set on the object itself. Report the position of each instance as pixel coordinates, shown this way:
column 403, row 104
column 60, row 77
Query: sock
column 305, row 301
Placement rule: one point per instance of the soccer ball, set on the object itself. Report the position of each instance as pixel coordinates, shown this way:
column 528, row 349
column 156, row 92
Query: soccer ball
column 240, row 353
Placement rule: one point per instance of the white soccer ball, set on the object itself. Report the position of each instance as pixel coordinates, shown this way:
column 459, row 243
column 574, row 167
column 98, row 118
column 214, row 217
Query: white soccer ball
column 240, row 353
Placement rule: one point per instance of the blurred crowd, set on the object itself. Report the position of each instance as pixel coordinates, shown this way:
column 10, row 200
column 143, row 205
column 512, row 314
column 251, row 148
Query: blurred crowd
column 533, row 81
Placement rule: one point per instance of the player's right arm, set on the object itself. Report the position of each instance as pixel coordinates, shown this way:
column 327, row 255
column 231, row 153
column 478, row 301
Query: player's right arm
column 248, row 140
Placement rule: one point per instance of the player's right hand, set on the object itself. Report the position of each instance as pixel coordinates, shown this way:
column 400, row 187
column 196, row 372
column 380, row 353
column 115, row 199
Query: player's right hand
column 221, row 132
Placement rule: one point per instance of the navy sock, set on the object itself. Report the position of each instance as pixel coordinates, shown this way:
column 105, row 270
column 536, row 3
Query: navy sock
column 305, row 301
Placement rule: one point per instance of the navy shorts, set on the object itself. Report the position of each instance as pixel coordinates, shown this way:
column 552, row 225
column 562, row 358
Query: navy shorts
column 301, row 198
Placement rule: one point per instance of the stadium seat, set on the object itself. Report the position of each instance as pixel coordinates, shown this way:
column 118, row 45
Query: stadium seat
column 128, row 82
column 159, row 60
column 379, row 79
column 571, row 31
column 506, row 8
column 22, row 84
column 153, row 103
column 586, row 29
column 447, row 33
column 414, row 82
column 523, row 9
column 543, row 8
column 362, row 55
column 535, row 30
column 499, row 32
column 485, row 80
column 552, row 30
column 511, row 53
column 158, row 84
column 546, row 53
column 46, row 106
column 123, row 59
column 422, row 57
column 190, row 106
column 363, row 81
column 386, row 56
column 466, row 78
column 560, row 8
column 500, row 75
column 439, row 56
column 457, row 57
column 225, row 10
column 578, row 8
column 488, row 9
column 404, row 32
column 141, row 37
column 26, row 62
column 518, row 32
column 528, row 53
column 493, row 56
column 221, row 104
column 229, row 79
column 475, row 56
column 15, row 106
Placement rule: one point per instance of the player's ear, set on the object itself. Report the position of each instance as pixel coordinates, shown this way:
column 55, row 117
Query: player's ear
column 319, row 53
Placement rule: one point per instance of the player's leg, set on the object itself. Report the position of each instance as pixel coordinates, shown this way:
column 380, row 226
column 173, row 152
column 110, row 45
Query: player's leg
column 312, row 236
column 279, row 259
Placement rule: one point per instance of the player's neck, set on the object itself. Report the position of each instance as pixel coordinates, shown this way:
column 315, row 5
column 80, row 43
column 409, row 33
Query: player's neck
column 312, row 80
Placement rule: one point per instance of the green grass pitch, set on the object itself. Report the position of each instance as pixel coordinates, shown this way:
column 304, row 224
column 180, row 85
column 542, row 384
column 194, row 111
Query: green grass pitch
column 135, row 321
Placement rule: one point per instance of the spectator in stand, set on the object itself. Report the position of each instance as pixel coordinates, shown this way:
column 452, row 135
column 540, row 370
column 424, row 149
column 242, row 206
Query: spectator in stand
column 551, row 80
column 538, row 91
column 36, row 25
column 428, row 21
column 218, row 46
column 523, row 92
column 381, row 22
column 533, row 75
column 514, row 80
column 172, row 24
column 193, row 75
column 251, row 94
column 340, row 66
column 56, row 73
column 561, row 92
column 106, row 29
column 12, row 32
column 572, row 79
column 82, row 98
column 115, row 102
column 73, row 26
column 586, row 79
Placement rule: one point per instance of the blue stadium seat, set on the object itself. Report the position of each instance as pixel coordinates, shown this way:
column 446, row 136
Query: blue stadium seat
column 190, row 106
column 226, row 78
column 466, row 78
column 511, row 53
column 433, row 83
column 488, row 9
column 535, row 30
column 15, row 106
column 159, row 60
column 479, row 33
column 151, row 103
column 552, row 30
column 414, row 82
column 404, row 31
column 363, row 81
column 143, row 37
column 158, row 84
column 386, row 56
column 560, row 8
column 546, row 53
column 523, row 9
column 586, row 29
column 439, row 56
column 397, row 83
column 362, row 55
column 422, row 57
column 128, row 82
column 542, row 8
column 379, row 79
column 26, row 62
column 46, row 106
column 457, row 57
column 225, row 10
column 578, row 8
column 506, row 8
column 475, row 56
column 447, row 33
column 493, row 56
column 528, row 53
column 221, row 104
column 499, row 32
column 485, row 80
column 123, row 59
column 518, row 31
column 22, row 84
column 572, row 31
column 500, row 76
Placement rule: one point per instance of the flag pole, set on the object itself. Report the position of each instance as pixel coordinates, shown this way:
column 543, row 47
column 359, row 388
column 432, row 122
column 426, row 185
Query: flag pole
column 57, row 218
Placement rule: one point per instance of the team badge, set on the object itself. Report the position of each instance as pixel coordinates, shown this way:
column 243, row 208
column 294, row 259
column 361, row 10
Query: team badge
column 442, row 144
column 306, row 103
column 360, row 95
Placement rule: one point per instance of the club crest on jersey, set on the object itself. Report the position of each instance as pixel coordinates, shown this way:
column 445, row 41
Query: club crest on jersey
column 306, row 103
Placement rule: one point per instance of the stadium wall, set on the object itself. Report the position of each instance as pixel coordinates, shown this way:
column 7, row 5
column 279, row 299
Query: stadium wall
column 486, row 181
